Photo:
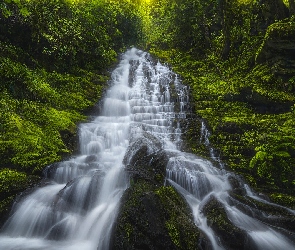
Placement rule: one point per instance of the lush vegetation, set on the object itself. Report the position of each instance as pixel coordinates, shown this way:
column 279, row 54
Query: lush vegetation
column 235, row 57
column 53, row 66
column 233, row 54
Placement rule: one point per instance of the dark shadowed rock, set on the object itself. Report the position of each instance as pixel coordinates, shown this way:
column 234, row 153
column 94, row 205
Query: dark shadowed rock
column 279, row 217
column 231, row 237
column 154, row 219
column 152, row 216
column 145, row 159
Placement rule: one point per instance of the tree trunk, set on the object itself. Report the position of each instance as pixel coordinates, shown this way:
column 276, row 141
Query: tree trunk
column 291, row 7
column 226, row 29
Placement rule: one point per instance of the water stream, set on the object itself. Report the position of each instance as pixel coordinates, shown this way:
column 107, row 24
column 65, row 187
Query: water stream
column 76, row 207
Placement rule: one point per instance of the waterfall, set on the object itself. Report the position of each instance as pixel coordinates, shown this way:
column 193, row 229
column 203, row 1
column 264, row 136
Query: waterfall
column 77, row 205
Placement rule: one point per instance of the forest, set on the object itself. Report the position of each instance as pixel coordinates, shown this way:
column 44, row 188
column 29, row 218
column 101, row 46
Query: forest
column 236, row 56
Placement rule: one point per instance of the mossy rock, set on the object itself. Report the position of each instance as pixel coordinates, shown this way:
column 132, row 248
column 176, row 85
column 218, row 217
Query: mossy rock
column 285, row 200
column 154, row 219
column 279, row 217
column 152, row 216
column 217, row 219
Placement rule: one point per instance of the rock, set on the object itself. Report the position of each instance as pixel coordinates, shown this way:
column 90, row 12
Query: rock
column 279, row 217
column 152, row 216
column 237, row 185
column 70, row 139
column 278, row 48
column 50, row 170
column 193, row 140
column 154, row 219
column 225, row 230
column 145, row 159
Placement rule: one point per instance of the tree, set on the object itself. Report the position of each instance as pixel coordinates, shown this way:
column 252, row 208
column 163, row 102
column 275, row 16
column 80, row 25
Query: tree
column 224, row 5
column 291, row 7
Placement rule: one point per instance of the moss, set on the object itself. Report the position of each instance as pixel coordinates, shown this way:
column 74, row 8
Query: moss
column 12, row 182
column 173, row 233
column 154, row 218
column 217, row 219
column 180, row 229
column 249, row 111
column 286, row 200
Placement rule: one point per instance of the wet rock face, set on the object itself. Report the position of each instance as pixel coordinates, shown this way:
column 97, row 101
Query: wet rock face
column 237, row 185
column 279, row 217
column 231, row 237
column 154, row 219
column 145, row 159
column 152, row 216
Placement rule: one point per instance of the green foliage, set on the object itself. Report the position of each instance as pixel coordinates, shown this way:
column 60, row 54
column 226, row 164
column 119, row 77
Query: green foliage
column 64, row 35
column 7, row 8
column 31, row 137
column 54, row 56
column 249, row 109
column 11, row 180
column 179, row 24
column 284, row 199
column 11, row 183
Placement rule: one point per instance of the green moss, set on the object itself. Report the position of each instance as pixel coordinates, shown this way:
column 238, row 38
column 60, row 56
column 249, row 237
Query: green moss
column 286, row 200
column 11, row 180
column 182, row 234
column 249, row 111
column 217, row 217
column 5, row 204
column 173, row 232
column 154, row 217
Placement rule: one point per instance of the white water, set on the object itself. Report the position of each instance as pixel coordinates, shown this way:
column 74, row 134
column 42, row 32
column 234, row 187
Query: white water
column 78, row 206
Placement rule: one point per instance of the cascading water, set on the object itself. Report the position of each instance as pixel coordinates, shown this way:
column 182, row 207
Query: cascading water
column 77, row 206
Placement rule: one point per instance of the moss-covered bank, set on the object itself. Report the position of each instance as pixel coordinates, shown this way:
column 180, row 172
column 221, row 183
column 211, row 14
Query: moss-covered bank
column 247, row 98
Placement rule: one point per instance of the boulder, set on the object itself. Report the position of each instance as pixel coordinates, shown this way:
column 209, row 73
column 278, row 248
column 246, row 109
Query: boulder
column 230, row 236
column 154, row 219
column 146, row 159
column 152, row 216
